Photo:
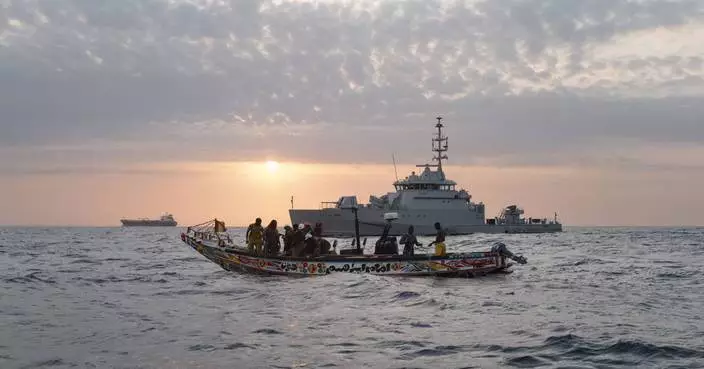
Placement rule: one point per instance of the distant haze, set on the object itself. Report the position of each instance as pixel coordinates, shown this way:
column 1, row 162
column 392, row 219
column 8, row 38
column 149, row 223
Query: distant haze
column 591, row 109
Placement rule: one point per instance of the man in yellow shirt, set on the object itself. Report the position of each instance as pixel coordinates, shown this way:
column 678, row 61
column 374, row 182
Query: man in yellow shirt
column 255, row 237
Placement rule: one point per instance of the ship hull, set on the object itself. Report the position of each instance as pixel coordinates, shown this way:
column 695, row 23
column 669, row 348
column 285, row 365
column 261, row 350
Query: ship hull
column 148, row 223
column 454, row 265
column 340, row 222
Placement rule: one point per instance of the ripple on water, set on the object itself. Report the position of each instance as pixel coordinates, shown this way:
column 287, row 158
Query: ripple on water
column 591, row 298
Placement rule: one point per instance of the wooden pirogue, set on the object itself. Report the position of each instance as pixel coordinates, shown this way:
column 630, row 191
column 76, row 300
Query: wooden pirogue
column 212, row 241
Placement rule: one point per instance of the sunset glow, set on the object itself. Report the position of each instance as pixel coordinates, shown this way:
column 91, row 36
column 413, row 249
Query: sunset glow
column 588, row 109
column 272, row 166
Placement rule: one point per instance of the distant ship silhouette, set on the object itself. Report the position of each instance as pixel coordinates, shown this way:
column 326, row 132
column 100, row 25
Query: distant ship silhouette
column 166, row 220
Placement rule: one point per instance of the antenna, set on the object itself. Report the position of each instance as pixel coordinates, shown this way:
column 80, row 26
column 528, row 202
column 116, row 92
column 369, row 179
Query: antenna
column 440, row 148
column 394, row 159
column 291, row 202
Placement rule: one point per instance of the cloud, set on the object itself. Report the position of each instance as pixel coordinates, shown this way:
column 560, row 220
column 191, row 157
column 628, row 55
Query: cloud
column 520, row 82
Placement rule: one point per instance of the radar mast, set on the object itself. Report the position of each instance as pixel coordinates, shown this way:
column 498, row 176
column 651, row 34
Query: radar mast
column 439, row 147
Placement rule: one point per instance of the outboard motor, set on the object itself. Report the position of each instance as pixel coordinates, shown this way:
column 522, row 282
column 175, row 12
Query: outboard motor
column 387, row 245
column 501, row 249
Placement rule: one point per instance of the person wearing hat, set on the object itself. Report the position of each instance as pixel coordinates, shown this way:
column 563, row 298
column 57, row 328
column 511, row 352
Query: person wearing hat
column 298, row 239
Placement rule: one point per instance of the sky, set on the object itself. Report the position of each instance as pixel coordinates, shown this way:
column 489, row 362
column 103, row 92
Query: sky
column 130, row 108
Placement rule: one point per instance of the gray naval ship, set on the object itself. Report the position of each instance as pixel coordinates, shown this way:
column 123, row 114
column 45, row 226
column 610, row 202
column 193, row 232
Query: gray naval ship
column 166, row 220
column 421, row 200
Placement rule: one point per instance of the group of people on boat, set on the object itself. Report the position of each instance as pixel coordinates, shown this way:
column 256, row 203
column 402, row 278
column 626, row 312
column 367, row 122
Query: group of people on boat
column 307, row 241
column 297, row 242
column 386, row 245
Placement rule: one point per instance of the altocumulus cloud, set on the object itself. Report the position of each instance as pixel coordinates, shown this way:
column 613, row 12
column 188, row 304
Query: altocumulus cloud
column 521, row 82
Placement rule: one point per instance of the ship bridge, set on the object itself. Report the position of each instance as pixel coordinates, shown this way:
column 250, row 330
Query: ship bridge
column 427, row 180
column 430, row 179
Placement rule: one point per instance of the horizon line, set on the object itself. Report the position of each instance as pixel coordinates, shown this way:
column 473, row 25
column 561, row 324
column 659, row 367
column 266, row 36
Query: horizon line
column 244, row 226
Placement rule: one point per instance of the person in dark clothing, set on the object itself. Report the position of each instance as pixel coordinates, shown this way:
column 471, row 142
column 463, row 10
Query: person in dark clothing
column 322, row 245
column 408, row 241
column 272, row 243
column 318, row 230
column 325, row 247
column 288, row 239
column 386, row 245
column 311, row 247
column 298, row 240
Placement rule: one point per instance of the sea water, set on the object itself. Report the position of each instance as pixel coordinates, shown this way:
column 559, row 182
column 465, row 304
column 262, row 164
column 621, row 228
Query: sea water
column 140, row 298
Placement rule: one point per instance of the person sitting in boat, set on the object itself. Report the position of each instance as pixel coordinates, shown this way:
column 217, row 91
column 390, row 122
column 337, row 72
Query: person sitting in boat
column 255, row 237
column 311, row 247
column 272, row 243
column 439, row 241
column 326, row 248
column 386, row 245
column 312, row 242
column 323, row 246
column 408, row 241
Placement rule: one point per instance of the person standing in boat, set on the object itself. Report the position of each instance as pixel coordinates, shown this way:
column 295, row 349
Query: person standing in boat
column 298, row 240
column 272, row 243
column 255, row 237
column 408, row 241
column 439, row 241
column 317, row 234
column 288, row 238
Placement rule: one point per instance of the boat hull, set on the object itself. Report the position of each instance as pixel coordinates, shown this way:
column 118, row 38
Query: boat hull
column 460, row 265
column 340, row 223
column 148, row 223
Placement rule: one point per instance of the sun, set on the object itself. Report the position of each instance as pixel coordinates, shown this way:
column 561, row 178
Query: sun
column 272, row 166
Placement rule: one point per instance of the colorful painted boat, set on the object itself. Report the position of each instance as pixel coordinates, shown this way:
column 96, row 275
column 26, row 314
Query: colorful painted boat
column 218, row 248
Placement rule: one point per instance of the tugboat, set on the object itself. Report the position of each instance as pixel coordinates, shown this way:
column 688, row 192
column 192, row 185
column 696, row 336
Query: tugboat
column 421, row 200
column 166, row 220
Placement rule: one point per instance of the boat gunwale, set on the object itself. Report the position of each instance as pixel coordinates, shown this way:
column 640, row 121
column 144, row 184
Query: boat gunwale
column 238, row 250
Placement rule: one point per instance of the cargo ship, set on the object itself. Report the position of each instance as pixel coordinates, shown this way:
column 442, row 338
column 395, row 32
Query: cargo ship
column 166, row 220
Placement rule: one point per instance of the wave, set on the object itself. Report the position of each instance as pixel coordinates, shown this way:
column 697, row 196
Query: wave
column 573, row 347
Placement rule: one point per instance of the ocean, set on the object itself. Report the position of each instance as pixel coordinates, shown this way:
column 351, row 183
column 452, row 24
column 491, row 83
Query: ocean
column 140, row 298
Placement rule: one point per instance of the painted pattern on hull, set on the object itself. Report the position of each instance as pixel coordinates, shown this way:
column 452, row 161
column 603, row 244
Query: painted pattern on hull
column 465, row 264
